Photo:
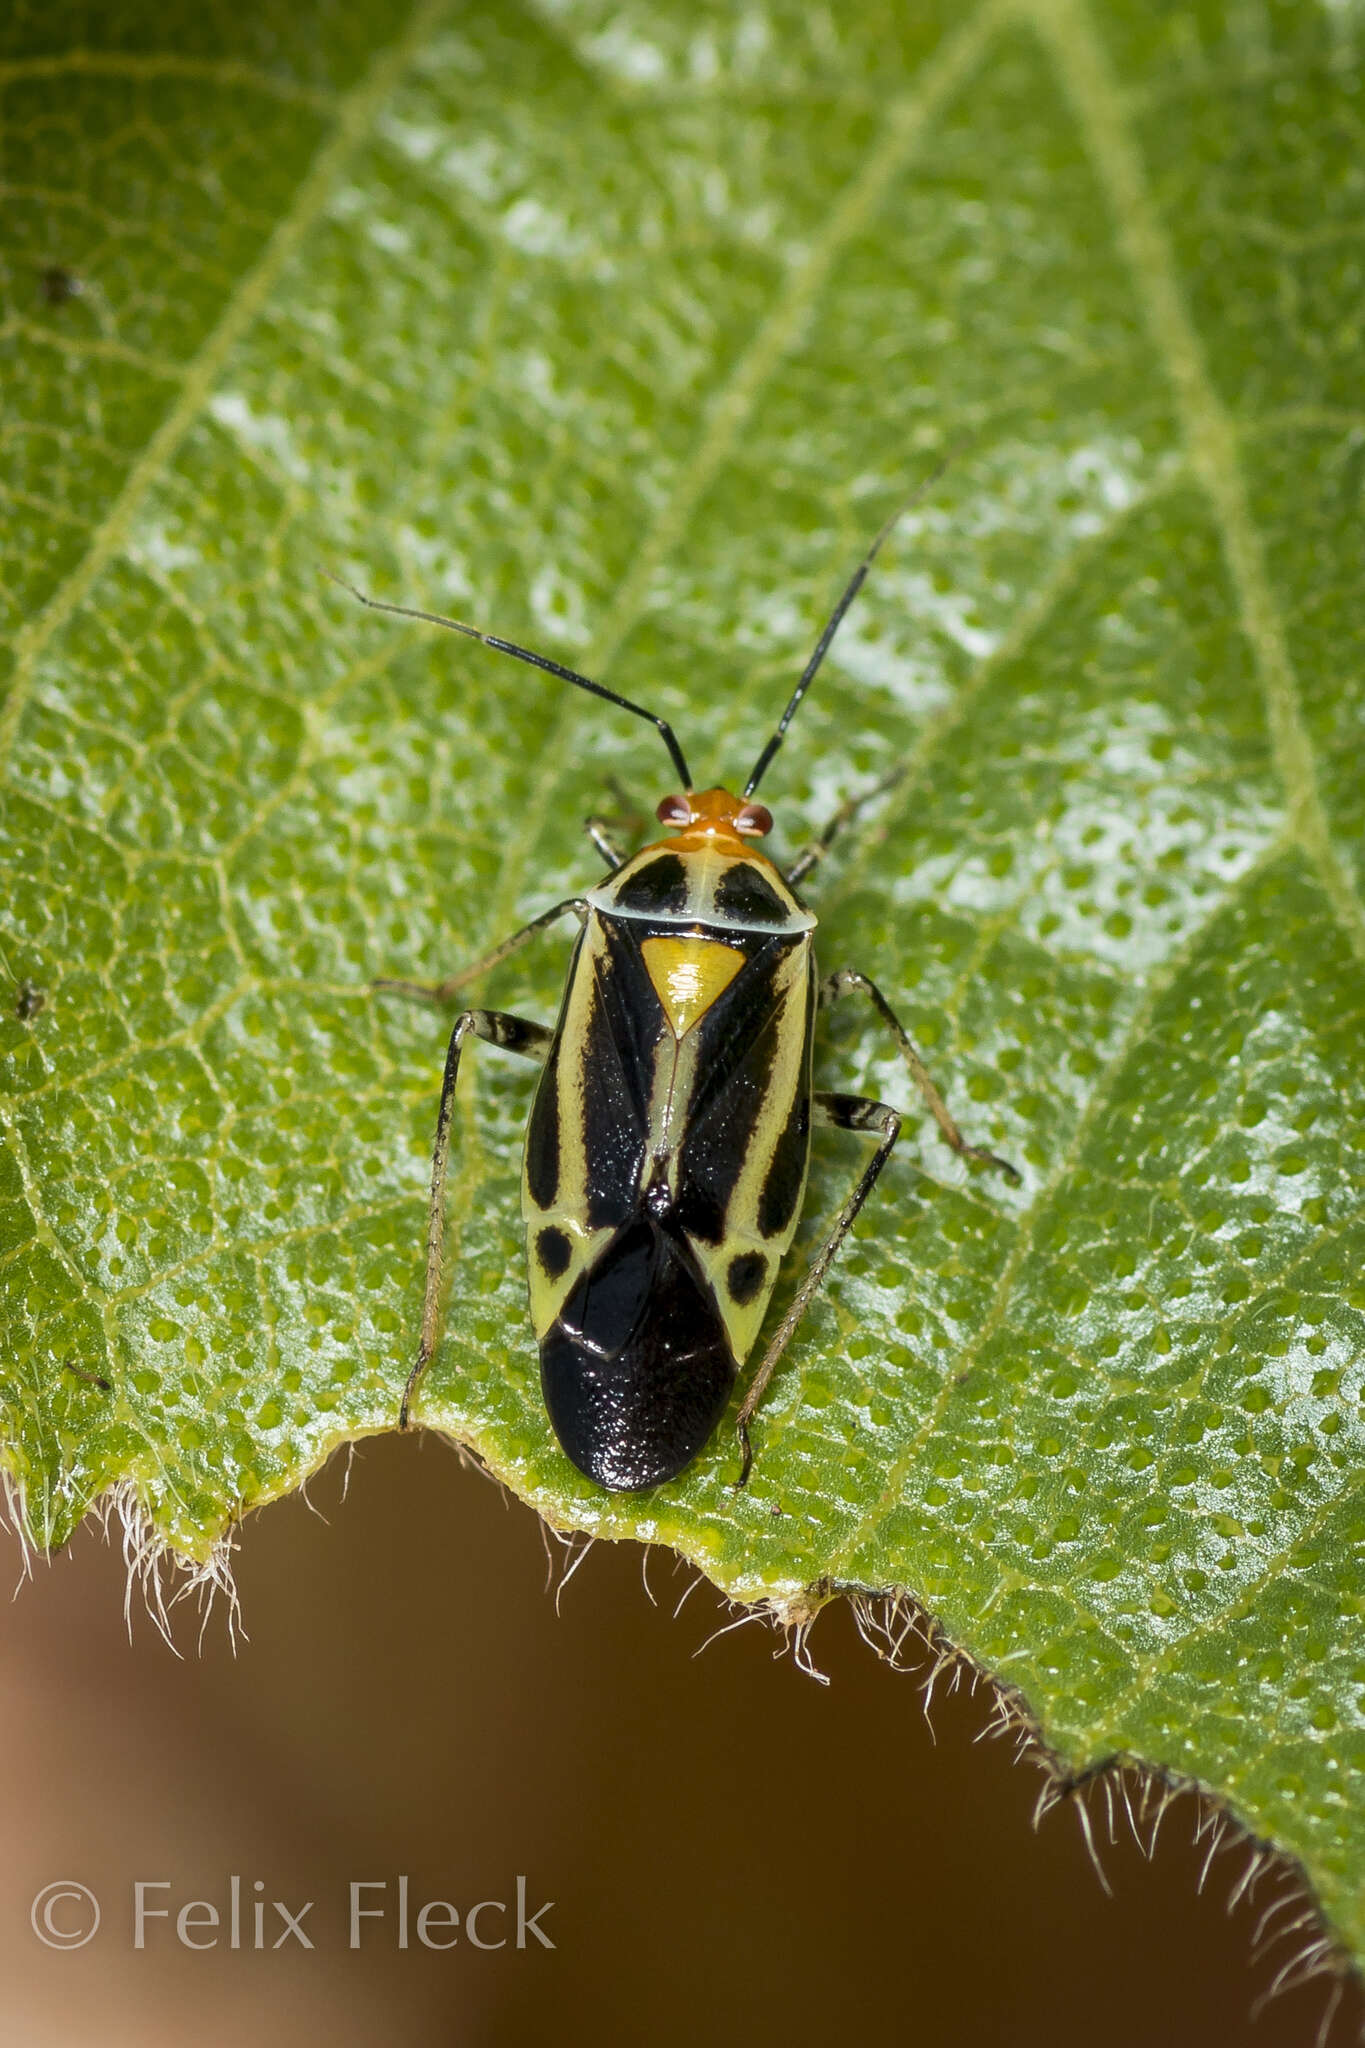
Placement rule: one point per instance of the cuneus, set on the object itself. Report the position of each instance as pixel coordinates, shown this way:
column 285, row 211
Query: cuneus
column 667, row 1150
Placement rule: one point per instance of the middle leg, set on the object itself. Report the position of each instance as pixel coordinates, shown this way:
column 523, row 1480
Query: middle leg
column 815, row 852
column 602, row 830
column 846, row 980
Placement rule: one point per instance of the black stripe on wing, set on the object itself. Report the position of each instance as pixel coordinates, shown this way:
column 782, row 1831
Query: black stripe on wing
column 732, row 1110
column 626, row 1029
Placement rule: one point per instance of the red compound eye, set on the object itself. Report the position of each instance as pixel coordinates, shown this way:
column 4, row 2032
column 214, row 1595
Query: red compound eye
column 754, row 820
column 674, row 810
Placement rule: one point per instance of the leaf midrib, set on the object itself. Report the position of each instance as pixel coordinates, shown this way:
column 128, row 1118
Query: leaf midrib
column 1068, row 33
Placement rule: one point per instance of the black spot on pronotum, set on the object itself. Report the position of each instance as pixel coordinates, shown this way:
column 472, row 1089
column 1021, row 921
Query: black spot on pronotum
column 553, row 1250
column 659, row 889
column 745, row 896
column 744, row 1276
column 58, row 284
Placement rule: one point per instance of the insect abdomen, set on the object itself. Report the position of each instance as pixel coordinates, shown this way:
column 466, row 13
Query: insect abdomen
column 636, row 1369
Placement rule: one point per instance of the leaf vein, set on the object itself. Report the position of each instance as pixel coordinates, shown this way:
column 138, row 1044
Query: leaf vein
column 354, row 117
column 1138, row 1026
column 1068, row 32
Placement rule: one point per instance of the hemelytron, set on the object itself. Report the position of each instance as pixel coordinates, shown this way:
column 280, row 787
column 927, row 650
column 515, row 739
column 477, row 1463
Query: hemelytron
column 668, row 1142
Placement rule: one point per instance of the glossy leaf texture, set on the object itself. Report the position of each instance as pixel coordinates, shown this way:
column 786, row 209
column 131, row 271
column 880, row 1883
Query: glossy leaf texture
column 621, row 327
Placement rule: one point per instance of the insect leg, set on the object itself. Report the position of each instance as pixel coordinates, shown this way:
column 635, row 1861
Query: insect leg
column 837, row 985
column 840, row 1113
column 602, row 829
column 441, row 991
column 513, row 1034
column 599, row 831
column 813, row 854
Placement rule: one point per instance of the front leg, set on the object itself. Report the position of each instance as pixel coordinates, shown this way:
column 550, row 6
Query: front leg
column 513, row 1034
column 440, row 992
column 813, row 854
column 603, row 830
column 600, row 832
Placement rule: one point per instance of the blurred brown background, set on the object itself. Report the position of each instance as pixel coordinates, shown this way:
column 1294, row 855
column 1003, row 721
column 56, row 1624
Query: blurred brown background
column 734, row 1851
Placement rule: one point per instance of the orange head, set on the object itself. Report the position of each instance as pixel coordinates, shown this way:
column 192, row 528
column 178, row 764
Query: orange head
column 713, row 817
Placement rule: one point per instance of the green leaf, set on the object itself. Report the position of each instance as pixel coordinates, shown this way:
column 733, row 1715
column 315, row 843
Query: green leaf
column 622, row 327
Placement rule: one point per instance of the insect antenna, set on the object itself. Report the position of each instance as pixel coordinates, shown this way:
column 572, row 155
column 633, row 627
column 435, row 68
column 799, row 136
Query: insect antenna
column 554, row 668
column 854, row 585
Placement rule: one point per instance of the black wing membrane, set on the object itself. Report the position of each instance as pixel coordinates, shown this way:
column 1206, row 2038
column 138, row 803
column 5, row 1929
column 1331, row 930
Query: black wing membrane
column 636, row 1372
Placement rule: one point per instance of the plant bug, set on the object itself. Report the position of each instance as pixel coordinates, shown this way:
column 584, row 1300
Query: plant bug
column 668, row 1143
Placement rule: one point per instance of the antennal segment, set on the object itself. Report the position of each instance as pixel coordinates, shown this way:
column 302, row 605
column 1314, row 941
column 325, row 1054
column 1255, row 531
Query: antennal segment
column 554, row 668
column 855, row 584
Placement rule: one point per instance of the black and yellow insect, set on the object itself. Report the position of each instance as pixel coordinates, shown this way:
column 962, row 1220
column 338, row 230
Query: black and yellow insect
column 668, row 1143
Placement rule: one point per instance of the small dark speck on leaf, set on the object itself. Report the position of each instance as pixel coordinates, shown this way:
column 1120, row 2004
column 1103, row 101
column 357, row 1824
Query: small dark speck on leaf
column 29, row 1001
column 92, row 1379
column 58, row 285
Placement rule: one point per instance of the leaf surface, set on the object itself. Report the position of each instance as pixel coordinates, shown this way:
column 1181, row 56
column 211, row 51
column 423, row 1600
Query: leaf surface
column 621, row 328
